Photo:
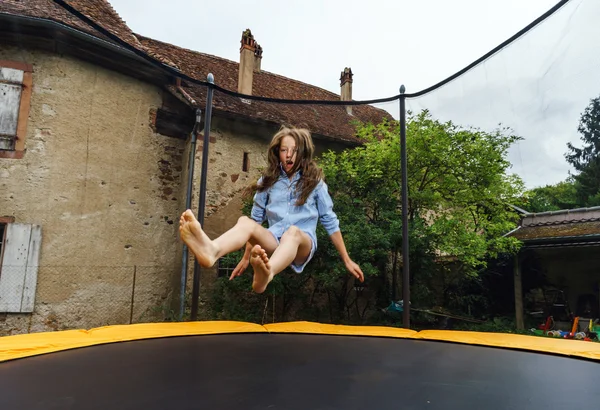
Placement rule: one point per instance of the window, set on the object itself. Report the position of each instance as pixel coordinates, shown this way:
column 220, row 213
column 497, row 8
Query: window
column 19, row 259
column 15, row 97
column 224, row 267
column 245, row 163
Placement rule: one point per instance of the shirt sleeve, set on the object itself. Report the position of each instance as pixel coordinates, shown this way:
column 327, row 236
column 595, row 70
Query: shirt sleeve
column 259, row 207
column 327, row 216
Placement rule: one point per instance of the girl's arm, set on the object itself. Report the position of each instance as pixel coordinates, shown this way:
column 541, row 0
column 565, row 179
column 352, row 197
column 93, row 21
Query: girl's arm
column 243, row 264
column 327, row 216
column 353, row 268
column 338, row 242
column 259, row 207
column 331, row 223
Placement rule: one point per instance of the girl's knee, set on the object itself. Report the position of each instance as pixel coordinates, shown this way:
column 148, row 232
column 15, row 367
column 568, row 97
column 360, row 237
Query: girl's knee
column 244, row 220
column 248, row 224
column 293, row 232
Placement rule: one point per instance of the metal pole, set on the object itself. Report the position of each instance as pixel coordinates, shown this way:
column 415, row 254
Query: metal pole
column 188, row 205
column 202, row 202
column 132, row 294
column 405, row 251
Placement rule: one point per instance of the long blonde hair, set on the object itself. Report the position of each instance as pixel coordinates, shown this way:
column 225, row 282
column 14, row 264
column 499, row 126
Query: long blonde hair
column 311, row 174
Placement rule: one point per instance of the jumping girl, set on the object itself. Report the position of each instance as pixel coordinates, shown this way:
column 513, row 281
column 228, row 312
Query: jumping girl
column 292, row 196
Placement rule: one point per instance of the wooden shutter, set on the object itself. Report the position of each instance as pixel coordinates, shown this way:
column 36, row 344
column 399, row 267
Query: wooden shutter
column 11, row 85
column 18, row 276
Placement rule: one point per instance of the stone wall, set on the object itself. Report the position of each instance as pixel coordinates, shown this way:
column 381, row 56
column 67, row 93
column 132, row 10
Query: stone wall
column 226, row 179
column 105, row 189
column 108, row 191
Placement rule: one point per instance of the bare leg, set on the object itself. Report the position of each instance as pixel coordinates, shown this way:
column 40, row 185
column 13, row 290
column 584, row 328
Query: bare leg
column 295, row 246
column 207, row 251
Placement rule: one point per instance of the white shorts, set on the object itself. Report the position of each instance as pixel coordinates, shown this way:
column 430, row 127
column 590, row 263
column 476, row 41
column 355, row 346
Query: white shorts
column 299, row 268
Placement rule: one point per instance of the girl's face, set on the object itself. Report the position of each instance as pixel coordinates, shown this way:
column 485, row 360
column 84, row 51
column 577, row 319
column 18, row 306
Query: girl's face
column 287, row 153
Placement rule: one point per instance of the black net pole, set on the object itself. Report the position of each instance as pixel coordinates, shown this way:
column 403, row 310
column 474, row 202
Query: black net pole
column 202, row 202
column 188, row 205
column 405, row 255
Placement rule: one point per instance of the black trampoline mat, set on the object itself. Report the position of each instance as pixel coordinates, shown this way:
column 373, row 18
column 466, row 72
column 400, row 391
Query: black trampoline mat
column 297, row 371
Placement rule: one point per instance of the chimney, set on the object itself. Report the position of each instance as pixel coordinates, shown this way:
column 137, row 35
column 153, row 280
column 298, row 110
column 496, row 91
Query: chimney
column 250, row 59
column 257, row 58
column 346, row 88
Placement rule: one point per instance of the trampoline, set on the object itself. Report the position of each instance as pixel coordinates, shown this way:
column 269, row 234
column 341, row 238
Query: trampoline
column 300, row 365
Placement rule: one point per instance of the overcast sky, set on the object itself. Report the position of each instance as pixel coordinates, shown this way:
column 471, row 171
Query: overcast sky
column 392, row 42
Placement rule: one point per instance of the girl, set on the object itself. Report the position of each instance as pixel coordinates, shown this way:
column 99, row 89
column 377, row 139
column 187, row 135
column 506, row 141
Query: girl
column 292, row 197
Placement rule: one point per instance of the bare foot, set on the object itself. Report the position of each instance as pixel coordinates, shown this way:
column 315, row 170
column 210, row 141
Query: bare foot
column 262, row 269
column 194, row 237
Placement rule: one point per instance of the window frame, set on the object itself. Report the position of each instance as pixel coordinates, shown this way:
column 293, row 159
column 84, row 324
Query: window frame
column 224, row 269
column 24, row 106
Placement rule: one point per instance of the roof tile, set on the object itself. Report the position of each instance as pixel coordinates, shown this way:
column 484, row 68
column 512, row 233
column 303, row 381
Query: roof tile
column 563, row 230
column 329, row 121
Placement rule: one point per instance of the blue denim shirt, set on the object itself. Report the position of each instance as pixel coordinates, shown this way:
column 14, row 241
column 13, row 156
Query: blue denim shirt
column 277, row 205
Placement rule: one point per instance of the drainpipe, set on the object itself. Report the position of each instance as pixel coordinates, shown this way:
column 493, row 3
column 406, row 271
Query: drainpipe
column 188, row 205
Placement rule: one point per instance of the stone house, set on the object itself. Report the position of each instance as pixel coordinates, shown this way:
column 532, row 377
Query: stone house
column 94, row 146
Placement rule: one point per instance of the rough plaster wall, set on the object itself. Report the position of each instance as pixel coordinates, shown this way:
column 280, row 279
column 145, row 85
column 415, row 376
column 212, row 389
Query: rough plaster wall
column 104, row 188
column 227, row 179
column 225, row 182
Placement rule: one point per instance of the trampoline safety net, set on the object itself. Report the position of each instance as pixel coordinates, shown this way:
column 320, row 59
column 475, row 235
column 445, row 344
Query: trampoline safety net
column 537, row 86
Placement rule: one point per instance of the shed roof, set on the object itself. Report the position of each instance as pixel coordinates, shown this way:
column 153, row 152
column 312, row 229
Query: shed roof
column 567, row 226
column 575, row 229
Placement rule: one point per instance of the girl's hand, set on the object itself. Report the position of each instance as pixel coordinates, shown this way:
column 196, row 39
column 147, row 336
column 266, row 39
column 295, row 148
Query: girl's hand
column 354, row 269
column 240, row 268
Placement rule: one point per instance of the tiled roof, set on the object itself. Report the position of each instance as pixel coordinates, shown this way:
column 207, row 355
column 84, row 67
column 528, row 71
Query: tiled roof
column 558, row 230
column 100, row 11
column 329, row 121
column 45, row 9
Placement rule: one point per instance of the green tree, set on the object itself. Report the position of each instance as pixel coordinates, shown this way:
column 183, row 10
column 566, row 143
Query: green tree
column 459, row 196
column 562, row 195
column 459, row 191
column 586, row 160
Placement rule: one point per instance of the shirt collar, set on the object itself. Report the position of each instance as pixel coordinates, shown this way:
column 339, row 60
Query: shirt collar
column 282, row 172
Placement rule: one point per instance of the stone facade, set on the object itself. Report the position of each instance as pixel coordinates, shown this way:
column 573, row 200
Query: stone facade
column 105, row 189
column 103, row 166
column 108, row 190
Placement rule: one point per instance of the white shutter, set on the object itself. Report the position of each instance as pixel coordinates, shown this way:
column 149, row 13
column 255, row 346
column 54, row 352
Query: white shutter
column 10, row 99
column 33, row 260
column 18, row 276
